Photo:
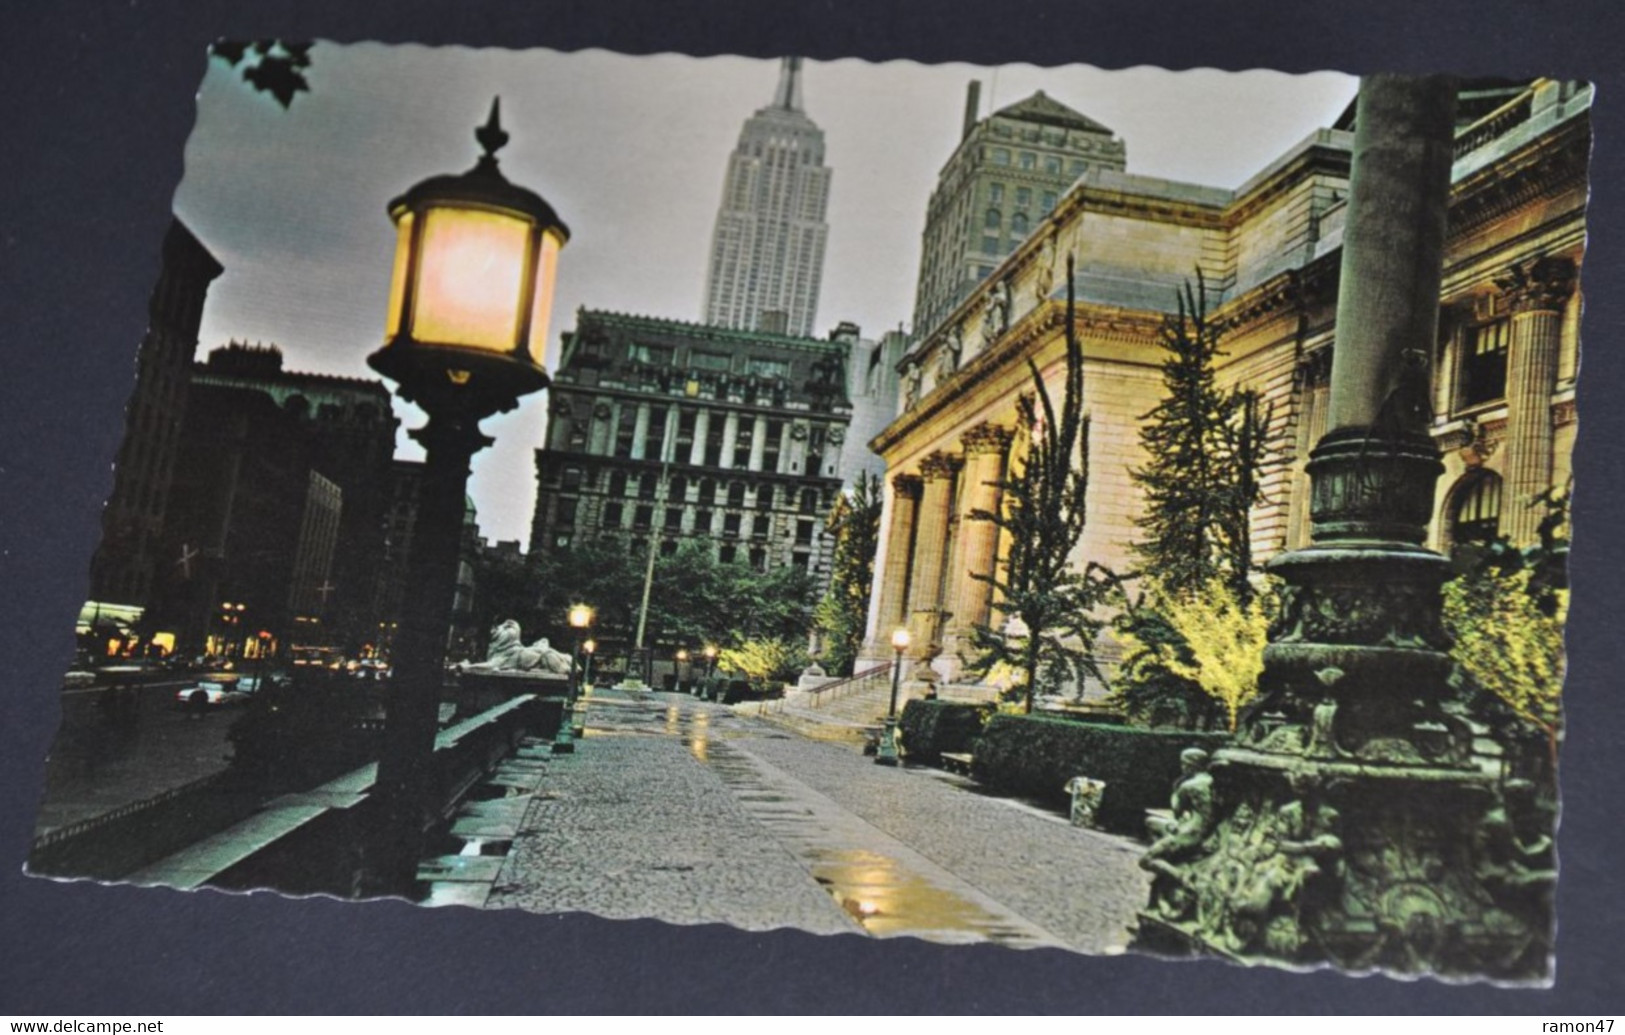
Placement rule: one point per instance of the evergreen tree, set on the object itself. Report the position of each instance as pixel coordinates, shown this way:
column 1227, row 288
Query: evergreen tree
column 1043, row 518
column 1205, row 447
column 843, row 612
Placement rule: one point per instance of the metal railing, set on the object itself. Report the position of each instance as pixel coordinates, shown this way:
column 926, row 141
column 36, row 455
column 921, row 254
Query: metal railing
column 822, row 695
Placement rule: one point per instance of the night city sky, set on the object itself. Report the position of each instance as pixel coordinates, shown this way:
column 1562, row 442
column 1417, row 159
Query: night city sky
column 631, row 152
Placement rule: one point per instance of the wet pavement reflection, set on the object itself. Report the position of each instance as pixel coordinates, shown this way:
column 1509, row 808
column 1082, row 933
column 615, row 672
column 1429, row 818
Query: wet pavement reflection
column 881, row 885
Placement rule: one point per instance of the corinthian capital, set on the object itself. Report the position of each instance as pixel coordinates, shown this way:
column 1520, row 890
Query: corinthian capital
column 938, row 466
column 986, row 438
column 1542, row 285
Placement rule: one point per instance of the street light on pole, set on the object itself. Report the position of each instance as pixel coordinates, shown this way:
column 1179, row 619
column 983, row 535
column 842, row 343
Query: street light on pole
column 710, row 665
column 886, row 754
column 580, row 618
column 469, row 302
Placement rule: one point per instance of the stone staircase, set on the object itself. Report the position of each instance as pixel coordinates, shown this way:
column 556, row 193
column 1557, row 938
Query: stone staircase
column 852, row 710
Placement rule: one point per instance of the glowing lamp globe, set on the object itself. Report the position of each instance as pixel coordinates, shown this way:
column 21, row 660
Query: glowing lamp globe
column 472, row 288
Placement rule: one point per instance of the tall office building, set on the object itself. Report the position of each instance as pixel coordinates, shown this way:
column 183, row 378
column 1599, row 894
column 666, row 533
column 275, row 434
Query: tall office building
column 1003, row 179
column 767, row 253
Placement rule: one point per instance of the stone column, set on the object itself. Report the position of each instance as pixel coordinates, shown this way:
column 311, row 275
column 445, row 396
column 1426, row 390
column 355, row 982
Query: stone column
column 640, row 432
column 1536, row 294
column 899, row 554
column 1315, row 389
column 730, row 435
column 987, row 448
column 758, row 443
column 930, row 546
column 702, row 431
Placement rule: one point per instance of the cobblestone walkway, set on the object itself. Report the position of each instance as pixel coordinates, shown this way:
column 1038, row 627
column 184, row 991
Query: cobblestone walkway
column 680, row 810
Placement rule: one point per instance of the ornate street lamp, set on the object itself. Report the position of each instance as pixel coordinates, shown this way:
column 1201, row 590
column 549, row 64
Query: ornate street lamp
column 886, row 754
column 710, row 666
column 580, row 618
column 682, row 667
column 469, row 302
column 589, row 649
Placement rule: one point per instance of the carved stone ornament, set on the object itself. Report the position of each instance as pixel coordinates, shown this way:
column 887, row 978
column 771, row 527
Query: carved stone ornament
column 1396, row 614
column 938, row 466
column 837, row 435
column 986, row 438
column 912, row 378
column 1542, row 285
column 601, row 411
column 561, row 408
column 1044, row 282
column 1311, row 865
column 798, row 431
column 907, row 485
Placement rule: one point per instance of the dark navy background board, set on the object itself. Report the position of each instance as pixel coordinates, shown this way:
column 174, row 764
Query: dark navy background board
column 97, row 101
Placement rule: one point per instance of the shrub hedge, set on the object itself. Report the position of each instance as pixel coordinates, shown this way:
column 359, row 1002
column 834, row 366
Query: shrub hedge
column 928, row 728
column 1034, row 756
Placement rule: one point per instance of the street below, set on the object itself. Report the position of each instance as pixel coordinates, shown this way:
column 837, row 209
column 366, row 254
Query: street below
column 105, row 757
column 682, row 810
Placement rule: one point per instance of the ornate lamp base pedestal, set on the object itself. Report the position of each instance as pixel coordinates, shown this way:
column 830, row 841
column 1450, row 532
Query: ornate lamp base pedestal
column 1406, row 869
column 1352, row 823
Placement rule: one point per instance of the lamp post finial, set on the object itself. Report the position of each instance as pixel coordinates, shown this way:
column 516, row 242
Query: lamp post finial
column 491, row 136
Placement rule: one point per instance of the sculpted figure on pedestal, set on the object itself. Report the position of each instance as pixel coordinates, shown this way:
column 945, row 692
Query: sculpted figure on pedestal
column 508, row 653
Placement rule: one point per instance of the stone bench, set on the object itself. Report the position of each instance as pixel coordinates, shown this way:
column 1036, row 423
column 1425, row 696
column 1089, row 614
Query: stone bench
column 958, row 762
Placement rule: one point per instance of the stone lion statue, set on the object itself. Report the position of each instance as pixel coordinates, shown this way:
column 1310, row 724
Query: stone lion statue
column 508, row 653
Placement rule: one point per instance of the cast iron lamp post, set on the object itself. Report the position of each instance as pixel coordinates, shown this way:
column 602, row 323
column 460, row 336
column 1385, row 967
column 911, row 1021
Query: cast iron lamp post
column 886, row 754
column 589, row 649
column 710, row 666
column 469, row 301
column 580, row 619
column 682, row 665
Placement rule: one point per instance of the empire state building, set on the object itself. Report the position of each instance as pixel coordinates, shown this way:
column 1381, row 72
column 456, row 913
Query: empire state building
column 767, row 253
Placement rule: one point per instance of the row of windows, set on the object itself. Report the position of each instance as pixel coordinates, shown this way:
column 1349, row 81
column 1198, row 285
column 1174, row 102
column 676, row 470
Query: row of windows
column 711, row 362
column 1023, row 196
column 704, row 522
column 710, row 491
column 727, row 553
column 1052, row 164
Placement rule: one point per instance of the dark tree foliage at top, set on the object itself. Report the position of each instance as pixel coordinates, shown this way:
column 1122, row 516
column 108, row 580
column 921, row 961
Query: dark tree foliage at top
column 1043, row 518
column 269, row 66
column 843, row 612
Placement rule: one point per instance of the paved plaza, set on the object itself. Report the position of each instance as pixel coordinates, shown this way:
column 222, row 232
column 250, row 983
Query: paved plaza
column 685, row 811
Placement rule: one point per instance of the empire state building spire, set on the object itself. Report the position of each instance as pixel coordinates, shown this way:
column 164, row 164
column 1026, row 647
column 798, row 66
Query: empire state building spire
column 767, row 252
column 788, row 95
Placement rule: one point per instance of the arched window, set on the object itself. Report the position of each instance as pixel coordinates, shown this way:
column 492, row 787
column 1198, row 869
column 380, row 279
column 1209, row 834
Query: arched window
column 1476, row 517
column 993, row 219
column 1018, row 224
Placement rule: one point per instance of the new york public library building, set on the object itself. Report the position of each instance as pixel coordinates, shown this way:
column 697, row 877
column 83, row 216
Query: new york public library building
column 1502, row 377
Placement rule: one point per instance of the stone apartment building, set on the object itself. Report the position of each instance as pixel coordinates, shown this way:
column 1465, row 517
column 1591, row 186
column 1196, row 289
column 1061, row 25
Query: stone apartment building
column 663, row 431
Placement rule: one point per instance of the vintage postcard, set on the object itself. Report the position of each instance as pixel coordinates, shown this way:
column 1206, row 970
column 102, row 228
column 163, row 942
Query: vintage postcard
column 1111, row 511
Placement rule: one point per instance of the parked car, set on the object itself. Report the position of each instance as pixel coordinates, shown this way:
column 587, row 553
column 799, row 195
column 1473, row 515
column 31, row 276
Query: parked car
column 218, row 689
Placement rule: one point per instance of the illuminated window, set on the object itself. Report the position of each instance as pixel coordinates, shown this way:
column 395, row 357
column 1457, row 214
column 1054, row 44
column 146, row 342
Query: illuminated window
column 1483, row 375
column 1477, row 515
